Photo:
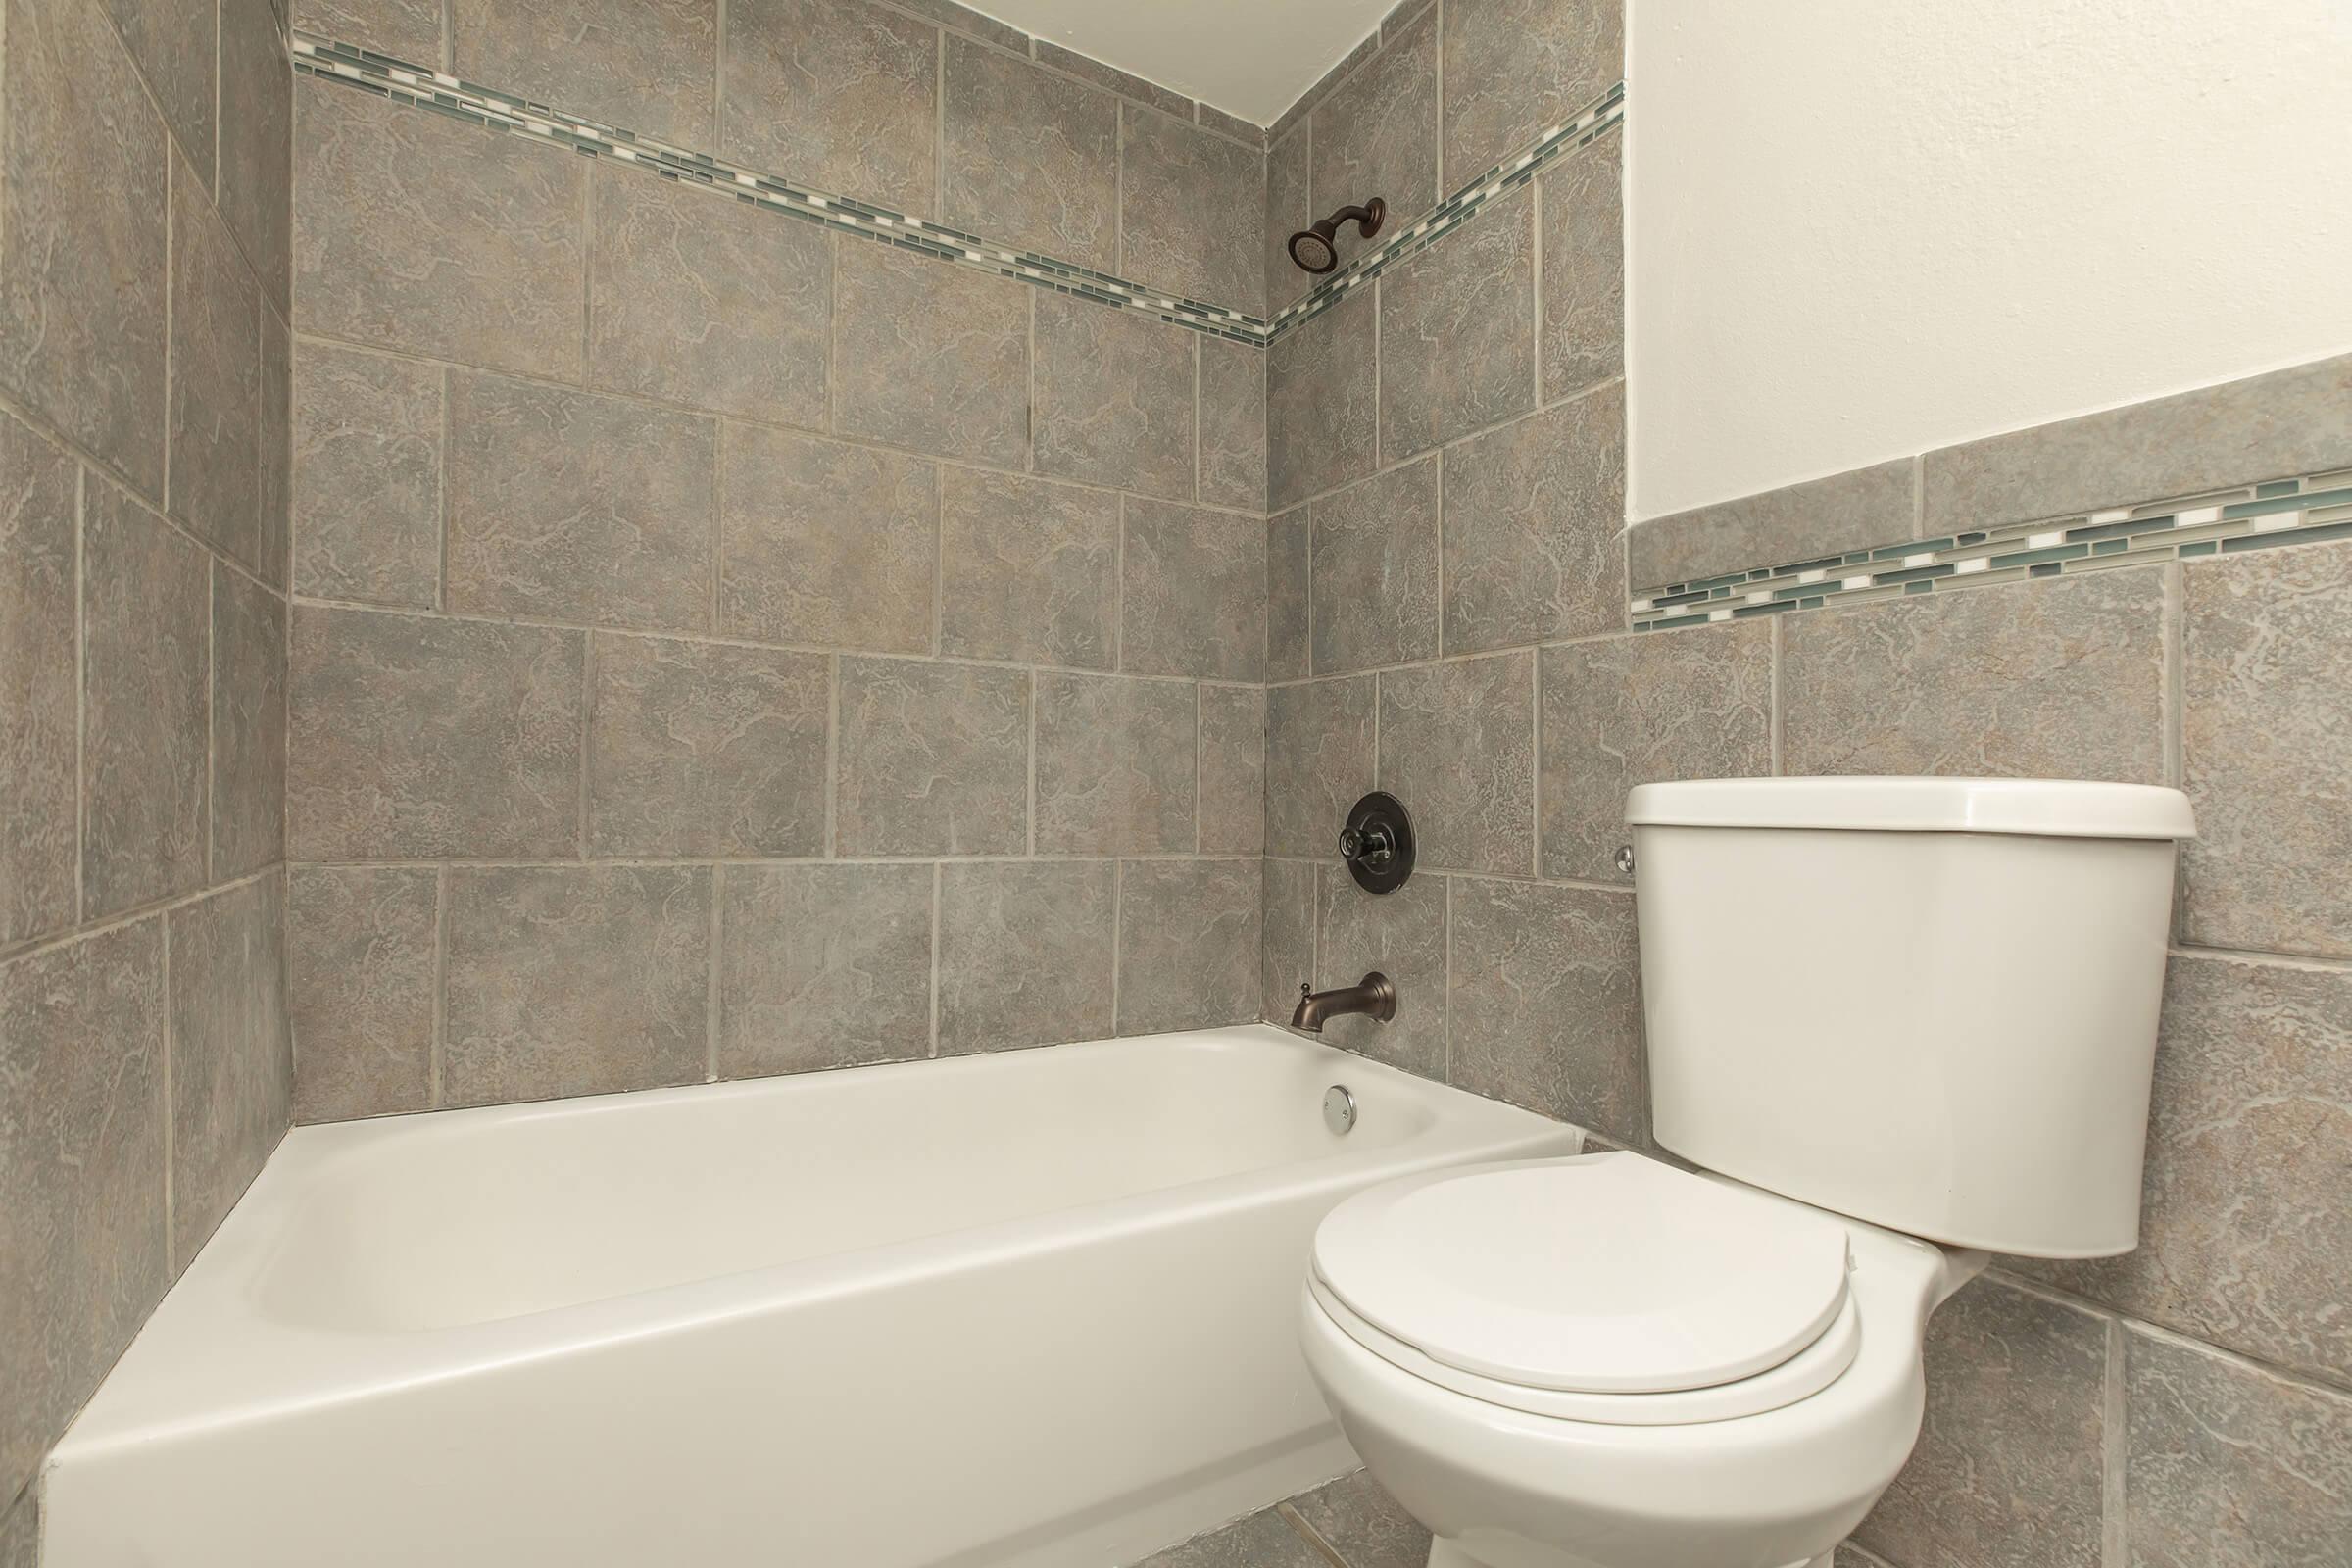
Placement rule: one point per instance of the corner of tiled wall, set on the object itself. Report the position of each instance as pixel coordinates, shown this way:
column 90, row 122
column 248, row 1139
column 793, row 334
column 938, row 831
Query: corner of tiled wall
column 144, row 344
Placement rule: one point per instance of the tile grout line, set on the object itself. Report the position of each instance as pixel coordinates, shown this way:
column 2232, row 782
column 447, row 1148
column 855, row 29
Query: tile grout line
column 82, row 695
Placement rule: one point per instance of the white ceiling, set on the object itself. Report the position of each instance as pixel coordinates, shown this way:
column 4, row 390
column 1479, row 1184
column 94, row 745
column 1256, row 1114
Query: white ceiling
column 1250, row 58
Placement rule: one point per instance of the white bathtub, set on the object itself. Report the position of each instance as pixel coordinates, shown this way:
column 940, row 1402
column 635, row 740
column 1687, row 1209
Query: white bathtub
column 1030, row 1308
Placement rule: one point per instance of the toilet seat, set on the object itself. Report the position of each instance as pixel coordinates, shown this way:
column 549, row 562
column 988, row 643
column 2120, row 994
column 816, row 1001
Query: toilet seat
column 1602, row 1287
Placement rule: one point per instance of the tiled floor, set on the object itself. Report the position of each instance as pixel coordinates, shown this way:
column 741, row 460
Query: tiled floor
column 1350, row 1523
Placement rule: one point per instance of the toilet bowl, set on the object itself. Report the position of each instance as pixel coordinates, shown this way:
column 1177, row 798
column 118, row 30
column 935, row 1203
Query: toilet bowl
column 1895, row 1024
column 1509, row 1469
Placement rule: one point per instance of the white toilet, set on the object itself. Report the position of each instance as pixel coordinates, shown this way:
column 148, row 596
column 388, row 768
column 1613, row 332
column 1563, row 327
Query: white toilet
column 1897, row 1023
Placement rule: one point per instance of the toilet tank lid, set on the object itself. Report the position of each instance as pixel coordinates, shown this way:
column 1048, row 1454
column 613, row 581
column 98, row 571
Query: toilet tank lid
column 2055, row 808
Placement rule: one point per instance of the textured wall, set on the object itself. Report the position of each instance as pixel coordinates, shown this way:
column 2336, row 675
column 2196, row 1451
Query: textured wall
column 144, row 1070
column 723, row 647
column 1449, row 619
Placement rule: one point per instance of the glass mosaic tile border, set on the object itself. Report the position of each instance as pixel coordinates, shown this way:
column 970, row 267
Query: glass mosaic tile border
column 491, row 109
column 1586, row 126
column 2306, row 510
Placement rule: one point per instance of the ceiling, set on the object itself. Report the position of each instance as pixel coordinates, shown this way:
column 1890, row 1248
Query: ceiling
column 1250, row 58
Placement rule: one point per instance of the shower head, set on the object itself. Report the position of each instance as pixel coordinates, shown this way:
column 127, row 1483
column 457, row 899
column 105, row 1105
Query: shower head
column 1314, row 247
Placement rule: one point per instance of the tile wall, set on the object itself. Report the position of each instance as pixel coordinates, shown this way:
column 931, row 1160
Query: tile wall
column 1446, row 473
column 724, row 646
column 144, row 1064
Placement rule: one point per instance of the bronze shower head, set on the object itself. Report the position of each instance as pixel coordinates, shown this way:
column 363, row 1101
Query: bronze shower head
column 1313, row 247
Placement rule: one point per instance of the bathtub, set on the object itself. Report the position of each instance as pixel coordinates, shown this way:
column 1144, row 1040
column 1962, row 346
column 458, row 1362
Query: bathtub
column 1029, row 1309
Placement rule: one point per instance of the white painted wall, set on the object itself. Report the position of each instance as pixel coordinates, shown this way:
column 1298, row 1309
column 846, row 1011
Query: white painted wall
column 1862, row 228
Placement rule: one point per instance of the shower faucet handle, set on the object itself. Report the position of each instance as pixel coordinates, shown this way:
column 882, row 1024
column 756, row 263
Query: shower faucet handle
column 1372, row 844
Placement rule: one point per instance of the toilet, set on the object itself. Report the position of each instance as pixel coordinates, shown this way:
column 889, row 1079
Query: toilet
column 1893, row 1025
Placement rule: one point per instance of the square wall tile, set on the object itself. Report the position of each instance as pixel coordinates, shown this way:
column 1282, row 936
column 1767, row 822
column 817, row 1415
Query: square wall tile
column 2244, row 1240
column 2268, row 662
column 82, row 174
column 361, row 944
column 1029, row 571
column 1374, row 585
column 650, row 67
column 1233, row 769
column 1547, row 1004
column 2228, row 1462
column 825, row 543
column 930, row 356
column 1025, row 954
column 1319, row 739
column 1192, row 210
column 1583, row 325
column 1457, row 330
column 1641, row 709
column 39, row 708
column 1117, row 766
column 708, row 303
column 575, row 980
column 84, row 1256
column 1232, row 424
column 1377, row 133
column 2009, row 1456
column 1321, row 391
column 1403, row 935
column 933, row 760
column 1028, row 158
column 416, row 233
column 368, row 459
column 1194, row 600
column 703, row 749
column 1535, row 513
column 1914, row 686
column 1113, row 397
column 146, row 622
column 1457, row 744
column 249, row 726
column 1515, row 68
column 411, row 737
column 839, row 93
column 232, row 1066
column 824, row 967
column 576, row 507
column 1188, row 939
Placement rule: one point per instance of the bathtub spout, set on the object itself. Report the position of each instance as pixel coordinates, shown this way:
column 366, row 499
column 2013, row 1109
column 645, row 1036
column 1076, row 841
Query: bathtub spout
column 1374, row 996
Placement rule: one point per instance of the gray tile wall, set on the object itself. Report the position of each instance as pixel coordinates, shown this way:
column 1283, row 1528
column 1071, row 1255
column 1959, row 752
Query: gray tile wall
column 2187, row 1403
column 144, row 1059
column 724, row 649
column 922, row 106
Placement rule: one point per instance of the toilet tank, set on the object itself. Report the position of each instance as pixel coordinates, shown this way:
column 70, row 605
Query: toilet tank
column 1929, row 1003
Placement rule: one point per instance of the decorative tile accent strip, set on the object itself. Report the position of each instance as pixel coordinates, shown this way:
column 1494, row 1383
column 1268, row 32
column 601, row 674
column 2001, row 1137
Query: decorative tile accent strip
column 1586, row 126
column 503, row 111
column 496, row 110
column 2262, row 516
